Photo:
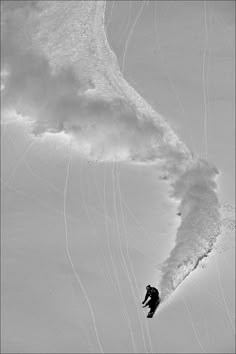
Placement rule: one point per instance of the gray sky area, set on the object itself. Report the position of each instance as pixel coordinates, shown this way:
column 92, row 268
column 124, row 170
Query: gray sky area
column 116, row 116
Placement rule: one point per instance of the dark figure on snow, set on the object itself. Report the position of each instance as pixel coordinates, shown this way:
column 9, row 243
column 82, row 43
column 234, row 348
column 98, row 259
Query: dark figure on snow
column 154, row 301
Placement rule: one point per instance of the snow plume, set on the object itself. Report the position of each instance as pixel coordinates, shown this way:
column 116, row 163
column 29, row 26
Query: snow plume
column 62, row 74
column 79, row 91
column 199, row 228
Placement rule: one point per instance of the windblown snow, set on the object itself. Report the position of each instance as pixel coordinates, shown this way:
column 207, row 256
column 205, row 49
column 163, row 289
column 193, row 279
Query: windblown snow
column 60, row 71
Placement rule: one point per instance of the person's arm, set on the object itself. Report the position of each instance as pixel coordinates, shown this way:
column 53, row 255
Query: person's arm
column 146, row 297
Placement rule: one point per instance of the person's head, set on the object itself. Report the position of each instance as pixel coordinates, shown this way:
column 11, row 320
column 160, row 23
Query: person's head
column 148, row 287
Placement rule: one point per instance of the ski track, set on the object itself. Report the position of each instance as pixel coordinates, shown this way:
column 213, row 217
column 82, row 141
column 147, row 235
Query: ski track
column 130, row 34
column 223, row 297
column 128, row 22
column 108, row 22
column 120, row 246
column 131, row 266
column 206, row 147
column 115, row 178
column 18, row 163
column 204, row 80
column 113, row 263
column 192, row 324
column 163, row 59
column 70, row 259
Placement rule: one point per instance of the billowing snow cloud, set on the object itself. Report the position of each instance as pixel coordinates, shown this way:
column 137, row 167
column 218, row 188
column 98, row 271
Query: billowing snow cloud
column 200, row 213
column 88, row 100
column 62, row 74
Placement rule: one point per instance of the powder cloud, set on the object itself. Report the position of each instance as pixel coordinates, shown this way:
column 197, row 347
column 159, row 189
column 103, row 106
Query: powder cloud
column 107, row 126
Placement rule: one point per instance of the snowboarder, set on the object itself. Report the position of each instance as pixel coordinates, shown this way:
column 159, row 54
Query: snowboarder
column 154, row 301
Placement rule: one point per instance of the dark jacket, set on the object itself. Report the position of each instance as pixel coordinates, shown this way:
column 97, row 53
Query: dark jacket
column 153, row 293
